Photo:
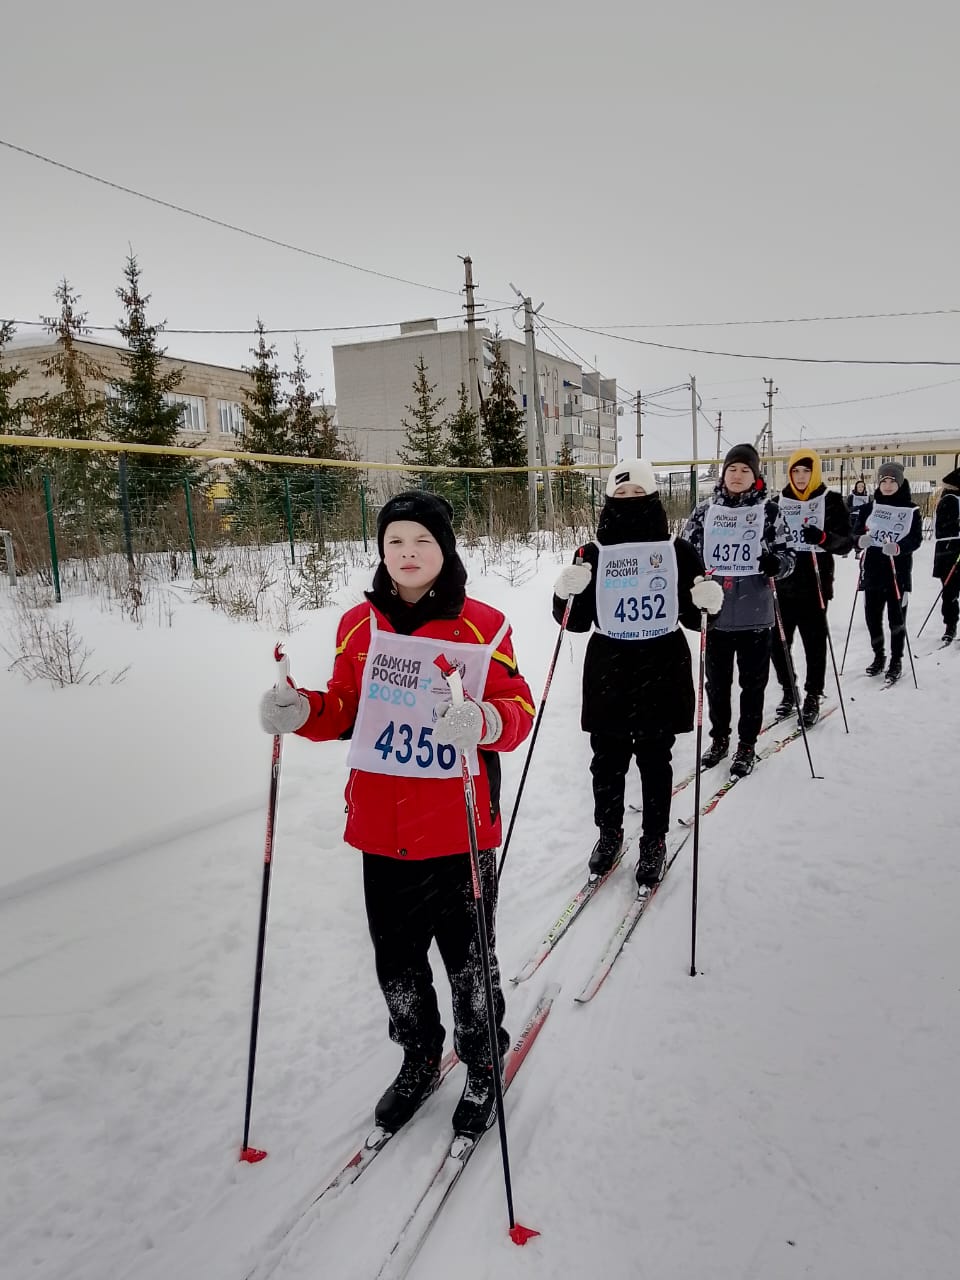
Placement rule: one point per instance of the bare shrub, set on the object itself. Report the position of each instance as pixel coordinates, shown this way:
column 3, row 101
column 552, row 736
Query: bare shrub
column 51, row 649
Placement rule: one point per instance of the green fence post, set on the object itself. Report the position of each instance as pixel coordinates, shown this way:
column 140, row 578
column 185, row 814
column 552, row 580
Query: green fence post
column 318, row 506
column 193, row 536
column 55, row 563
column 363, row 515
column 289, row 512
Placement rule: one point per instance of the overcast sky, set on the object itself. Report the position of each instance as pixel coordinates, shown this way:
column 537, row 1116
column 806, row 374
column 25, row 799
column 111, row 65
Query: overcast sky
column 645, row 165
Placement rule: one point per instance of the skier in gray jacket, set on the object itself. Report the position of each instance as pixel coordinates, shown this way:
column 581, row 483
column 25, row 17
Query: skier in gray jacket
column 742, row 538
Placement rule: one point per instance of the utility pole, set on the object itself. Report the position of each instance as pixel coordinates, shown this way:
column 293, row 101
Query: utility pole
column 719, row 420
column 768, row 430
column 535, row 433
column 472, row 361
column 696, row 455
column 639, row 427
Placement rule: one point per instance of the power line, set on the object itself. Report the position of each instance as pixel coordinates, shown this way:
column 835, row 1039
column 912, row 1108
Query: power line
column 335, row 328
column 724, row 324
column 884, row 395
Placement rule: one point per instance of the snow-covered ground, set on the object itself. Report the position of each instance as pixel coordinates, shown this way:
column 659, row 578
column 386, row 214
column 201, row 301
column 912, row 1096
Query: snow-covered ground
column 789, row 1112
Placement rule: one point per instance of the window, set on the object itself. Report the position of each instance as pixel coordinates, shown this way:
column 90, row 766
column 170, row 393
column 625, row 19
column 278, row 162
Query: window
column 887, row 458
column 866, row 464
column 193, row 416
column 231, row 417
column 929, row 459
column 909, row 460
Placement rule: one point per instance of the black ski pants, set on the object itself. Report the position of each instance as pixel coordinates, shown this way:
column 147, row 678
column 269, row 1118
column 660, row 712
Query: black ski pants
column 950, row 601
column 809, row 619
column 873, row 606
column 751, row 649
column 411, row 904
column 612, row 754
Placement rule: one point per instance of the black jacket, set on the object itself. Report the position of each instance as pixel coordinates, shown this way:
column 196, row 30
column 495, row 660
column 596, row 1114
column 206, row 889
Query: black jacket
column 875, row 565
column 946, row 526
column 801, row 586
column 635, row 686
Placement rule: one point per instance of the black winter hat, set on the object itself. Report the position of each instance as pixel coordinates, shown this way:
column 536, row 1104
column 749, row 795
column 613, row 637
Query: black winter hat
column 953, row 478
column 745, row 453
column 433, row 512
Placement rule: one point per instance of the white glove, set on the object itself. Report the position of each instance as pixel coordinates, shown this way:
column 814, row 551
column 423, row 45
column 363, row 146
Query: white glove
column 707, row 594
column 572, row 580
column 466, row 725
column 865, row 540
column 283, row 710
column 891, row 548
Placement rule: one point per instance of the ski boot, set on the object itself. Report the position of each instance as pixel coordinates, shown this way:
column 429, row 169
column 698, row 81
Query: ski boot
column 652, row 861
column 716, row 752
column 743, row 761
column 606, row 850
column 417, row 1079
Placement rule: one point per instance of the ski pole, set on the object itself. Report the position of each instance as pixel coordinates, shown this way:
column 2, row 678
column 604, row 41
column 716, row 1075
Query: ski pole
column 696, row 797
column 536, row 725
column 791, row 672
column 518, row 1233
column 826, row 625
column 943, row 587
column 247, row 1153
column 843, row 660
column 903, row 620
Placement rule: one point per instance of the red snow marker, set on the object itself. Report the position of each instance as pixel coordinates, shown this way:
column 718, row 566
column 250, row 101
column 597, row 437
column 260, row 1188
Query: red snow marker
column 520, row 1235
column 278, row 652
column 250, row 1155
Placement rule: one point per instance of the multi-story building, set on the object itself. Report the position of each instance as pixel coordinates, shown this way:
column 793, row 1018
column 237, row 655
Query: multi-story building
column 211, row 395
column 926, row 456
column 374, row 385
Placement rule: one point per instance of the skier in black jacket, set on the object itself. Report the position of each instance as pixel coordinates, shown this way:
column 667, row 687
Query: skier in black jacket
column 818, row 528
column 946, row 530
column 634, row 584
column 888, row 530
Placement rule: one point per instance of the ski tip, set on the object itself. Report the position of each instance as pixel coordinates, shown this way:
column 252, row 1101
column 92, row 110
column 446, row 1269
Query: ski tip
column 250, row 1155
column 461, row 1145
column 520, row 1235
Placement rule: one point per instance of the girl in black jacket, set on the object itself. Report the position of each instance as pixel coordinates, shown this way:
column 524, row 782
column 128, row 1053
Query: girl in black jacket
column 889, row 530
column 634, row 585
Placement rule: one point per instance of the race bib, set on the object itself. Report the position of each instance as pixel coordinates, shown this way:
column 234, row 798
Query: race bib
column 637, row 590
column 797, row 513
column 888, row 524
column 732, row 539
column 400, row 696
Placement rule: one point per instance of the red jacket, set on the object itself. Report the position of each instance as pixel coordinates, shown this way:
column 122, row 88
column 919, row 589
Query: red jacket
column 421, row 817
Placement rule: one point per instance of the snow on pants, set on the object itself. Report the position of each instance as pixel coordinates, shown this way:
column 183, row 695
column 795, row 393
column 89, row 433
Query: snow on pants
column 752, row 652
column 808, row 618
column 950, row 601
column 411, row 904
column 612, row 753
column 873, row 604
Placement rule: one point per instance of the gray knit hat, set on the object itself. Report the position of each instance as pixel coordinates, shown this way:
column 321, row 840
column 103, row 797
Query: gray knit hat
column 892, row 469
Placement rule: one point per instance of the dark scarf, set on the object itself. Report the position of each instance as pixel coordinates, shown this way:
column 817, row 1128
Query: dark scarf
column 444, row 599
column 632, row 520
column 902, row 497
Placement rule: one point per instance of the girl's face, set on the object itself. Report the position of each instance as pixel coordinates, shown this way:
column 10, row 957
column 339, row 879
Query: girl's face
column 738, row 478
column 629, row 490
column 888, row 485
column 800, row 477
column 413, row 558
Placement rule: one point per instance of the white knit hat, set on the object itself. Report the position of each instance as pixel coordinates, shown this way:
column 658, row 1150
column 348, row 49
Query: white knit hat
column 632, row 471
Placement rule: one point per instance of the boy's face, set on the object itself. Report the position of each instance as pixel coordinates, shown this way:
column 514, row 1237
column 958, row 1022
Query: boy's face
column 413, row 558
column 800, row 477
column 738, row 478
column 888, row 485
column 629, row 490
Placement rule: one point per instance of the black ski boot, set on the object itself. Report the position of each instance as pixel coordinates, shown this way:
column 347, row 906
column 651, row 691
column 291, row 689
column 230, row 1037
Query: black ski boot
column 949, row 635
column 652, row 861
column 743, row 761
column 716, row 752
column 894, row 671
column 810, row 712
column 477, row 1108
column 879, row 662
column 606, row 850
column 785, row 705
column 416, row 1080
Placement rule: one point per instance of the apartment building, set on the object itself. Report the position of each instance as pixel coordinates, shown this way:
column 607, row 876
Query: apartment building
column 210, row 395
column 926, row 456
column 374, row 384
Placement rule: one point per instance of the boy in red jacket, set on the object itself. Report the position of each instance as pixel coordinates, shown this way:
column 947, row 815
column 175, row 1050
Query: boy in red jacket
column 405, row 798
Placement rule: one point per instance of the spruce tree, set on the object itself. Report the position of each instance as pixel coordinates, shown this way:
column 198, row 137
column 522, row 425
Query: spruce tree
column 144, row 408
column 311, row 434
column 502, row 421
column 464, row 449
column 13, row 462
column 257, row 488
column 424, row 443
column 571, row 485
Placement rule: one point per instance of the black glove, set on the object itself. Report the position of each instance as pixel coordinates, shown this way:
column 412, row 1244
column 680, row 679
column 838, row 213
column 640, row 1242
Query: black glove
column 769, row 563
column 813, row 536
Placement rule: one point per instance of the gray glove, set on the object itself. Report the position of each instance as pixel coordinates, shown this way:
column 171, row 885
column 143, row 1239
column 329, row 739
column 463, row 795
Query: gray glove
column 865, row 540
column 466, row 725
column 572, row 580
column 891, row 548
column 707, row 594
column 283, row 710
